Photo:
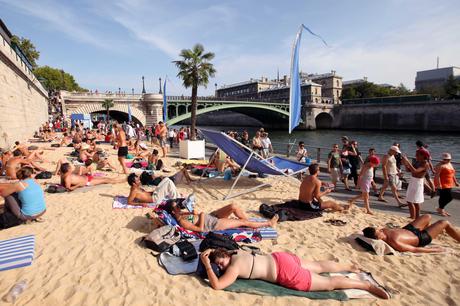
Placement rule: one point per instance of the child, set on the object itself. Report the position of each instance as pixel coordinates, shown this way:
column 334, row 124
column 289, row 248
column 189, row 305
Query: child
column 301, row 153
column 365, row 179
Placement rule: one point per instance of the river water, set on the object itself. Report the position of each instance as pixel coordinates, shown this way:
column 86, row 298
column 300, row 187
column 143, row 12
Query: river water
column 380, row 140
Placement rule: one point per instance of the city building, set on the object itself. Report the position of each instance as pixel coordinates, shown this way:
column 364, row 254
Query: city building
column 315, row 88
column 435, row 78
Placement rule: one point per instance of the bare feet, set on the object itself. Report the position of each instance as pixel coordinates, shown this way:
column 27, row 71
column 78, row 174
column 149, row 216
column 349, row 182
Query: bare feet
column 273, row 221
column 379, row 292
column 442, row 212
column 382, row 200
column 353, row 267
column 369, row 212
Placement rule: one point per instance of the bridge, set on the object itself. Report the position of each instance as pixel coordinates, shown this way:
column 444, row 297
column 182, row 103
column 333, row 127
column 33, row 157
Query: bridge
column 147, row 109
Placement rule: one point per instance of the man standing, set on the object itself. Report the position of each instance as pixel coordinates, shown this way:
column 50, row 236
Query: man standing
column 163, row 134
column 122, row 147
column 171, row 137
column 390, row 175
column 354, row 156
column 334, row 164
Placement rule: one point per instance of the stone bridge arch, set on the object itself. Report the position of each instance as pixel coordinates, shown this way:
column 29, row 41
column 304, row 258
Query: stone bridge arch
column 89, row 108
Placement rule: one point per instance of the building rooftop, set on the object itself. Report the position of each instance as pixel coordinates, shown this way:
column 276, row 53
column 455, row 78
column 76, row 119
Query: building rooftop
column 439, row 73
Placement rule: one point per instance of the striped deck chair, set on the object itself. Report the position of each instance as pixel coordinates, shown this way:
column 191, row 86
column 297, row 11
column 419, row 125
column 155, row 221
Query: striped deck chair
column 17, row 252
column 251, row 161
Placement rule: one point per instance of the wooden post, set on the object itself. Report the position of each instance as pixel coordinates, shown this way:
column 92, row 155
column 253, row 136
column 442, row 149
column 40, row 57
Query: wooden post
column 318, row 155
column 288, row 149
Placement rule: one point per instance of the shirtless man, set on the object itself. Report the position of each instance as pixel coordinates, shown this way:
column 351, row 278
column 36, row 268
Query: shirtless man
column 310, row 193
column 414, row 236
column 73, row 181
column 390, row 175
column 163, row 135
column 16, row 162
column 217, row 220
column 284, row 269
column 34, row 155
column 66, row 140
column 139, row 197
column 122, row 147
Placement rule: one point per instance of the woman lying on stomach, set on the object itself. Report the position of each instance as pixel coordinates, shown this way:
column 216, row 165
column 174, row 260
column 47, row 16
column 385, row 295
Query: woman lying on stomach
column 284, row 269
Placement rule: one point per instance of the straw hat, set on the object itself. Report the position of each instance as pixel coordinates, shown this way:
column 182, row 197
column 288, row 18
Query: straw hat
column 446, row 156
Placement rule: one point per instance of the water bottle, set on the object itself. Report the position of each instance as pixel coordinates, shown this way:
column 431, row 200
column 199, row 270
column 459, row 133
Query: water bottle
column 15, row 291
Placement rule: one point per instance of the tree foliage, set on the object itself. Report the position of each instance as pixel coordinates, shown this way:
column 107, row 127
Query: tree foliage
column 452, row 88
column 371, row 90
column 107, row 105
column 56, row 79
column 28, row 49
column 195, row 69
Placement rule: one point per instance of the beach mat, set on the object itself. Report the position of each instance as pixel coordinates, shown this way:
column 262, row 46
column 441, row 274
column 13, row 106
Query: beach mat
column 121, row 202
column 260, row 287
column 17, row 252
column 265, row 232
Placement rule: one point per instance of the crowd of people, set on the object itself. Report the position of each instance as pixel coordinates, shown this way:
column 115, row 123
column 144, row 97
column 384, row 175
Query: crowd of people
column 24, row 197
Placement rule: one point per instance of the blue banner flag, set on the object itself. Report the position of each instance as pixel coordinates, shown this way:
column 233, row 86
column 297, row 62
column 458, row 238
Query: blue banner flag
column 295, row 94
column 165, row 102
column 129, row 112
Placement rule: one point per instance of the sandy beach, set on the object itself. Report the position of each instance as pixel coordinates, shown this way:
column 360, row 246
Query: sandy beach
column 89, row 254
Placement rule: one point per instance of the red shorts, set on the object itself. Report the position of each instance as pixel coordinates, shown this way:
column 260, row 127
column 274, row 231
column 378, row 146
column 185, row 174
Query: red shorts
column 290, row 272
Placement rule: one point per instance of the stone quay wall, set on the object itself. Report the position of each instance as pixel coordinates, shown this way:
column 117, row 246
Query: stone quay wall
column 23, row 100
column 440, row 116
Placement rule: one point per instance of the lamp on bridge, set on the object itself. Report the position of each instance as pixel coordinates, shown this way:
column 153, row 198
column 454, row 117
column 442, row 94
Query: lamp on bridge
column 143, row 85
column 160, row 92
column 215, row 92
column 132, row 90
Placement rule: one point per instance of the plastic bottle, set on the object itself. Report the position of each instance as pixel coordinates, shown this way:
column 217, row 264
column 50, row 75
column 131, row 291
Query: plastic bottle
column 15, row 291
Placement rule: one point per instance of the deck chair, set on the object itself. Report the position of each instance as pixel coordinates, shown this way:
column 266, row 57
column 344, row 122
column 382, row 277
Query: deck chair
column 251, row 161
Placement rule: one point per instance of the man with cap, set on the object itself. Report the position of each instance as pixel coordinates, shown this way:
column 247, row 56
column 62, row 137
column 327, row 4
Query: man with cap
column 390, row 175
column 444, row 181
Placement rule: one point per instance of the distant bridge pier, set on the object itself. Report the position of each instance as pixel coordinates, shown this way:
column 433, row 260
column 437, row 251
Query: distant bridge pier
column 317, row 116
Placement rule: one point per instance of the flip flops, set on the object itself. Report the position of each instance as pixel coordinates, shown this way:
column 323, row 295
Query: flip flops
column 335, row 222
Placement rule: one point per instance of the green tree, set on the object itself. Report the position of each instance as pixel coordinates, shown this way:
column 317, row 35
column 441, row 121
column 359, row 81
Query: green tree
column 402, row 90
column 28, row 48
column 108, row 104
column 452, row 88
column 56, row 79
column 195, row 70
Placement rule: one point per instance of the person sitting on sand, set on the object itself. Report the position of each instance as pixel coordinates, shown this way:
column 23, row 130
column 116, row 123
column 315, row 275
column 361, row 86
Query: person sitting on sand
column 73, row 181
column 310, row 193
column 415, row 235
column 66, row 140
column 284, row 269
column 138, row 196
column 155, row 163
column 17, row 161
column 34, row 155
column 217, row 220
column 24, row 200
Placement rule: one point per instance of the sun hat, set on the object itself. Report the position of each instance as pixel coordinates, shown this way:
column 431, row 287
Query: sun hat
column 396, row 149
column 446, row 156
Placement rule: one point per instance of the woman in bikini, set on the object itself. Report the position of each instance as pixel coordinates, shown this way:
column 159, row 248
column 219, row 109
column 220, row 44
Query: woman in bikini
column 284, row 269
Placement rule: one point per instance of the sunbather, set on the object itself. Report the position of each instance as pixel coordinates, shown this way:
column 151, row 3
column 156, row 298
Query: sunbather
column 284, row 269
column 310, row 193
column 73, row 181
column 17, row 161
column 415, row 235
column 217, row 220
column 138, row 196
column 181, row 176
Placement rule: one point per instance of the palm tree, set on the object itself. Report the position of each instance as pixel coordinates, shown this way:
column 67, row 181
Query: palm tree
column 195, row 70
column 108, row 104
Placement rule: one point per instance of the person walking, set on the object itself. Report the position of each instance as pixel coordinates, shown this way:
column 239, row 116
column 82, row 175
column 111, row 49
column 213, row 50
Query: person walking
column 390, row 175
column 444, row 181
column 334, row 164
column 364, row 182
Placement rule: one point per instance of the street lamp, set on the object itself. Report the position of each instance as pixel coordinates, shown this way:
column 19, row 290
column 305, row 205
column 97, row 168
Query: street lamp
column 160, row 92
column 132, row 90
column 215, row 92
column 143, row 85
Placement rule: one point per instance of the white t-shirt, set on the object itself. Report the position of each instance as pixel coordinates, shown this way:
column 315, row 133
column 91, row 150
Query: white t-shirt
column 266, row 142
column 171, row 133
column 130, row 131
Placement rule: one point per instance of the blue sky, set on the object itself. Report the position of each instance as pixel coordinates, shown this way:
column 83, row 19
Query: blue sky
column 111, row 44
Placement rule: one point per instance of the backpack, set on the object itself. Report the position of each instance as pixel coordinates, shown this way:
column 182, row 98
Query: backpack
column 185, row 250
column 162, row 238
column 269, row 211
column 56, row 189
column 44, row 175
column 215, row 241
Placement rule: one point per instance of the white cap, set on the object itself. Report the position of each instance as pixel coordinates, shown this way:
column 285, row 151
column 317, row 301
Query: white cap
column 396, row 149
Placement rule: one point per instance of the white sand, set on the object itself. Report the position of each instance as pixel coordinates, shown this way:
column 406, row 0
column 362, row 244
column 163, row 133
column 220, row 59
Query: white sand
column 88, row 254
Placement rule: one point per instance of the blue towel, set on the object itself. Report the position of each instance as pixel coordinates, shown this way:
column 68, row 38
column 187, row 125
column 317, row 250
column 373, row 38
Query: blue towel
column 17, row 252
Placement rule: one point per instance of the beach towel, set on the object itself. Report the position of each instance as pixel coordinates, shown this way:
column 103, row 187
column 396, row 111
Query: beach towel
column 144, row 164
column 121, row 202
column 293, row 211
column 260, row 287
column 17, row 252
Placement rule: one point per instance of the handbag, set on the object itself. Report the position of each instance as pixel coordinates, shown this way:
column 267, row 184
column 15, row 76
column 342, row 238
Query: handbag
column 162, row 238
